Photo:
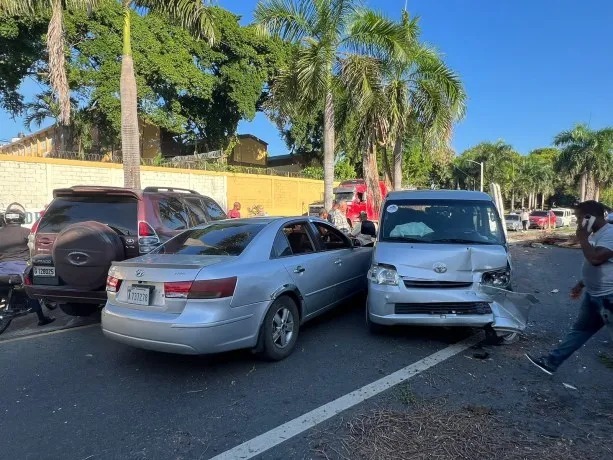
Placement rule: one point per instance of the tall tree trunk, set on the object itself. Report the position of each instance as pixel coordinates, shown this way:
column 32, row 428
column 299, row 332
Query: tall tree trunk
column 328, row 150
column 590, row 187
column 387, row 168
column 130, row 136
column 543, row 201
column 57, row 62
column 597, row 193
column 398, row 162
column 583, row 181
column 513, row 200
column 371, row 177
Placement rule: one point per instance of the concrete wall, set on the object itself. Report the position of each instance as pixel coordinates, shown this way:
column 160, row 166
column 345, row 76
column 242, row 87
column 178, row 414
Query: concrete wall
column 31, row 182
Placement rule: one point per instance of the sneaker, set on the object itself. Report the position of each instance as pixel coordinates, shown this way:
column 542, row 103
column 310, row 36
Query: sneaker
column 47, row 320
column 542, row 363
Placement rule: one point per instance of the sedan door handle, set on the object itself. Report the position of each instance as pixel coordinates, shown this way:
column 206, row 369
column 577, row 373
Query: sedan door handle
column 299, row 269
column 338, row 261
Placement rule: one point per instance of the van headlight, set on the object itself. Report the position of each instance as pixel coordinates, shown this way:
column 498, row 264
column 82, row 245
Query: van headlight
column 383, row 274
column 497, row 278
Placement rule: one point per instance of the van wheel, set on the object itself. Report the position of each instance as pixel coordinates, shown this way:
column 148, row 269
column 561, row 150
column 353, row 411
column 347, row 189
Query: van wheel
column 76, row 309
column 280, row 329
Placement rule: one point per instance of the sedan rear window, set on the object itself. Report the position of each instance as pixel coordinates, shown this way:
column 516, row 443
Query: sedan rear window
column 227, row 239
column 118, row 213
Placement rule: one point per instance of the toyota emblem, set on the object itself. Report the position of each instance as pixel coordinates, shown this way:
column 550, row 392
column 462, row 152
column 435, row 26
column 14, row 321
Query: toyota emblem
column 439, row 267
column 140, row 273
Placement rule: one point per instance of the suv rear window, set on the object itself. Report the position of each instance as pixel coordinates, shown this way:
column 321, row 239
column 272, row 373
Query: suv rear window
column 118, row 213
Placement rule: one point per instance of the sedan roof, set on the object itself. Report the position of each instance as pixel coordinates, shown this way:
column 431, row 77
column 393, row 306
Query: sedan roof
column 439, row 195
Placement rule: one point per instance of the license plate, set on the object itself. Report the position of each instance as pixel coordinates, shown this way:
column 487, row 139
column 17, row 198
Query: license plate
column 139, row 295
column 46, row 272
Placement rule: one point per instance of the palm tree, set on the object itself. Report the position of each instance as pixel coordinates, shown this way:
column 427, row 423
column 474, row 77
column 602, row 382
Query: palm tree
column 191, row 14
column 56, row 45
column 424, row 95
column 586, row 154
column 325, row 31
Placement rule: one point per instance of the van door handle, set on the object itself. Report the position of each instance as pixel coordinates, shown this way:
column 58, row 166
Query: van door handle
column 299, row 269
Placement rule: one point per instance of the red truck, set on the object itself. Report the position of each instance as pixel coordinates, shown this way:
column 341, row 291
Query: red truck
column 354, row 193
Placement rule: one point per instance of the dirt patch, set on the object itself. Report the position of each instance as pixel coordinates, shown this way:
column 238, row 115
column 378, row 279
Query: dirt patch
column 434, row 431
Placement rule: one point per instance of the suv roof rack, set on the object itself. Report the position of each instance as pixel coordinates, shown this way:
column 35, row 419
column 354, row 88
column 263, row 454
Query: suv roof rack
column 169, row 189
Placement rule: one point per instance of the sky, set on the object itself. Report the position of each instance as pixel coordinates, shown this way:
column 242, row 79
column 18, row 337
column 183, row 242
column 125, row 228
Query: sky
column 531, row 68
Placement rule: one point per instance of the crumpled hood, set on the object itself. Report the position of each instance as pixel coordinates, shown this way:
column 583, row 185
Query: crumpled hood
column 417, row 261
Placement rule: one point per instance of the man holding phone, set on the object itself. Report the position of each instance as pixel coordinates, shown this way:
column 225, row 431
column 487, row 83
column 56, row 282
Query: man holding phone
column 596, row 238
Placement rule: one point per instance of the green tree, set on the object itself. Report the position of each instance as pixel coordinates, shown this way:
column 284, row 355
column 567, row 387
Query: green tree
column 22, row 47
column 325, row 31
column 191, row 14
column 586, row 154
column 56, row 44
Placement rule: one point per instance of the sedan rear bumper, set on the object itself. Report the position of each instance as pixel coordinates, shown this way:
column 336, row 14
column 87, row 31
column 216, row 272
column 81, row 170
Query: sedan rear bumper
column 203, row 327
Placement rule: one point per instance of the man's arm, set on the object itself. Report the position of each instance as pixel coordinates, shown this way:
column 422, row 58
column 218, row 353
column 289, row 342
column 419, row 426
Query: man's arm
column 595, row 255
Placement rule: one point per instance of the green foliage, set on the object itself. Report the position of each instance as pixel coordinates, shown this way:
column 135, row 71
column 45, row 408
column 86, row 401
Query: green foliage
column 22, row 48
column 185, row 86
column 343, row 170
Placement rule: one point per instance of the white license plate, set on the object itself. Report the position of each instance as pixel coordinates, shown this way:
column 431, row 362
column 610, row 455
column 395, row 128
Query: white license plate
column 47, row 272
column 139, row 295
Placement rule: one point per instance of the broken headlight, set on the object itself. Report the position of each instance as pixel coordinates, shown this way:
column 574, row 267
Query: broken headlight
column 497, row 278
column 384, row 274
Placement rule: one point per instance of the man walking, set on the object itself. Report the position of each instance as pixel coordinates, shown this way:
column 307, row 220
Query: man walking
column 596, row 238
column 525, row 219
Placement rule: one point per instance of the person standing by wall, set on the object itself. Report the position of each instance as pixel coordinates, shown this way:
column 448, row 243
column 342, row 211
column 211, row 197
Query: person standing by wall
column 235, row 212
column 596, row 238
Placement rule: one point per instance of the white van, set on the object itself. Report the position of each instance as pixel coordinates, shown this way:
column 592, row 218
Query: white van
column 442, row 259
column 564, row 217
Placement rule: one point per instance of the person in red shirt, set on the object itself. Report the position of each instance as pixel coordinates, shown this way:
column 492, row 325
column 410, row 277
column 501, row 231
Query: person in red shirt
column 235, row 213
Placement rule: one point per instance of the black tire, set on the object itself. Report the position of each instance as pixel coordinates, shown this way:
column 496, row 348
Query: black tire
column 76, row 309
column 374, row 328
column 272, row 350
column 5, row 322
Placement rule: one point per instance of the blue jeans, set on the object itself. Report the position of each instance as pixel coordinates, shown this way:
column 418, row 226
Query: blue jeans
column 595, row 312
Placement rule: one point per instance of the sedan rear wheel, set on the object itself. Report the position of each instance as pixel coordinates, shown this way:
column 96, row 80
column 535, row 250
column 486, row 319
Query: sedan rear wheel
column 280, row 329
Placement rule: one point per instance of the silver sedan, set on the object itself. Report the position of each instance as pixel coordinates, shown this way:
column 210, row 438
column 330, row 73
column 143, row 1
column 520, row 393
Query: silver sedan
column 243, row 283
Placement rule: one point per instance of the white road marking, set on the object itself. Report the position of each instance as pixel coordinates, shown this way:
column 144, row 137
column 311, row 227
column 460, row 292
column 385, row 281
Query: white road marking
column 282, row 433
column 44, row 334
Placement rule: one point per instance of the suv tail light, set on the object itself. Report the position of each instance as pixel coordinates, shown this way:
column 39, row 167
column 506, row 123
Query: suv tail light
column 112, row 284
column 148, row 239
column 206, row 289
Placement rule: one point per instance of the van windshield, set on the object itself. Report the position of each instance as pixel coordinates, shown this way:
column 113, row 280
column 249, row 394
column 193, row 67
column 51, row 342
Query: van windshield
column 343, row 196
column 441, row 222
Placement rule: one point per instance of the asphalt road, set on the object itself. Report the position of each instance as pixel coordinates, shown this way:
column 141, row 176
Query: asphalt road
column 76, row 395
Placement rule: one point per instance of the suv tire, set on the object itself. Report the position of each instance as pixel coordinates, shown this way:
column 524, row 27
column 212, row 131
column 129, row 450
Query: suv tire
column 83, row 253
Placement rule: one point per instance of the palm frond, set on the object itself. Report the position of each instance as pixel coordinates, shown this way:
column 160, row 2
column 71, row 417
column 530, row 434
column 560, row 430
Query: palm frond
column 193, row 15
column 373, row 34
column 291, row 20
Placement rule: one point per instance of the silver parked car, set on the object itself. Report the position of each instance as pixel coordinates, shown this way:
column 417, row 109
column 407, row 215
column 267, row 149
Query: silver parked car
column 243, row 283
column 442, row 260
column 513, row 222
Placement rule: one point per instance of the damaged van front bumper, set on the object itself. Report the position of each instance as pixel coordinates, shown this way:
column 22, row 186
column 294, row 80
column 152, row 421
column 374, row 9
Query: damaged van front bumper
column 479, row 306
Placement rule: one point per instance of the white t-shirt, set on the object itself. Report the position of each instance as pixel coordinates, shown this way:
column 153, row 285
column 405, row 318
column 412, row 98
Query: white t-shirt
column 598, row 279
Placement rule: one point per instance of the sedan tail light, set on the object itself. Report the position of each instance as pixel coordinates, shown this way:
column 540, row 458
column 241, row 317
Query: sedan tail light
column 205, row 289
column 112, row 284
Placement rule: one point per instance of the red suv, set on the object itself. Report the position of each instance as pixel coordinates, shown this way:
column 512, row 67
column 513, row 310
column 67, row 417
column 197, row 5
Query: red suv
column 543, row 219
column 85, row 229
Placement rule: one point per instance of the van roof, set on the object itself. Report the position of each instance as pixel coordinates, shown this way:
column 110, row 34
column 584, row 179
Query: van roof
column 438, row 195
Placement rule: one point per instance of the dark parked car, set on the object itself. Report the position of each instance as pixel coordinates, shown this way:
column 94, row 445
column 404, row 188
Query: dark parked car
column 85, row 229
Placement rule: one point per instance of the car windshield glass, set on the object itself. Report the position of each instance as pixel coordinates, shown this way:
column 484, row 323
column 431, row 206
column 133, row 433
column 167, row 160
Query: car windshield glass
column 441, row 221
column 511, row 217
column 343, row 196
column 119, row 213
column 559, row 213
column 227, row 238
column 539, row 213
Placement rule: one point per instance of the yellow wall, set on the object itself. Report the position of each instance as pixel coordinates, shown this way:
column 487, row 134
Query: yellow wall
column 36, row 145
column 280, row 196
column 31, row 180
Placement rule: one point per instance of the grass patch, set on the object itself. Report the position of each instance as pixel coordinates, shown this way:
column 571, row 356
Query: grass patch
column 406, row 395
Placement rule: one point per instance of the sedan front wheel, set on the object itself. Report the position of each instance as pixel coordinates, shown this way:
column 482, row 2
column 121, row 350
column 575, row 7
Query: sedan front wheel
column 280, row 329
